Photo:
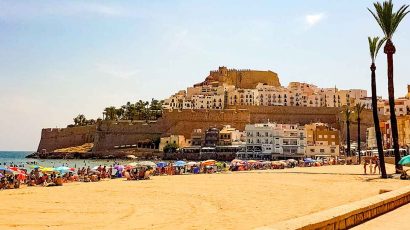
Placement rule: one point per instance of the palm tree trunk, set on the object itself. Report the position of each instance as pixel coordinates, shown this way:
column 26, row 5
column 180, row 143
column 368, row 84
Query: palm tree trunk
column 376, row 123
column 358, row 137
column 389, row 49
column 348, row 137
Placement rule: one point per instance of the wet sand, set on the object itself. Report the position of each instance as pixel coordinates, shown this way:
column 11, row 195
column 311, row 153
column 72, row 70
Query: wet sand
column 238, row 200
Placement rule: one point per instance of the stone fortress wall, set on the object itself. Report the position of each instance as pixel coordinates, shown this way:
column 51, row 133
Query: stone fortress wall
column 111, row 134
column 52, row 139
column 107, row 135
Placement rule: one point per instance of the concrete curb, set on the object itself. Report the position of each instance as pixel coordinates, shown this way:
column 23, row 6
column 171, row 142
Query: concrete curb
column 348, row 215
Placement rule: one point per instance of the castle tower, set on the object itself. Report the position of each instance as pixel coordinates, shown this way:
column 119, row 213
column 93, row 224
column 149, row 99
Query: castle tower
column 223, row 71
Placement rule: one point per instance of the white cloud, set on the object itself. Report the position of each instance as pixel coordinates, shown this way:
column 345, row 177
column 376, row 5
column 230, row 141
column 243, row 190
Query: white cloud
column 313, row 19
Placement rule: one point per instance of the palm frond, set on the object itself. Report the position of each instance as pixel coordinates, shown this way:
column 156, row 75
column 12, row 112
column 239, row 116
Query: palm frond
column 375, row 43
column 386, row 18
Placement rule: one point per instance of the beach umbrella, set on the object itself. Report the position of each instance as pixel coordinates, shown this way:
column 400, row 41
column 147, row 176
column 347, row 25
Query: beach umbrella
column 192, row 163
column 64, row 169
column 405, row 160
column 309, row 160
column 1, row 175
column 48, row 169
column 17, row 171
column 237, row 161
column 95, row 171
column 208, row 162
column 148, row 163
column 6, row 170
column 35, row 166
column 131, row 157
column 133, row 164
column 119, row 167
column 180, row 163
column 161, row 164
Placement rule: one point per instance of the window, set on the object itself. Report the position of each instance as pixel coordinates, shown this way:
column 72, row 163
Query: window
column 332, row 151
column 333, row 143
column 320, row 136
column 333, row 136
column 322, row 150
column 325, row 136
column 312, row 150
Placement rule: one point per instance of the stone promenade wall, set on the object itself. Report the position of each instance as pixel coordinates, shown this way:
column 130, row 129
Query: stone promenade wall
column 52, row 139
column 349, row 215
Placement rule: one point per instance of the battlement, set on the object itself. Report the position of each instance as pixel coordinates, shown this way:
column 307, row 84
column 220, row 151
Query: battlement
column 241, row 78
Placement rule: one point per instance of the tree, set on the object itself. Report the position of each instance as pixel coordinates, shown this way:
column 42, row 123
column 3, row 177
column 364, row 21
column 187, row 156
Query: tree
column 374, row 46
column 110, row 113
column 170, row 148
column 139, row 106
column 388, row 22
column 80, row 120
column 156, row 108
column 347, row 112
column 358, row 110
column 119, row 113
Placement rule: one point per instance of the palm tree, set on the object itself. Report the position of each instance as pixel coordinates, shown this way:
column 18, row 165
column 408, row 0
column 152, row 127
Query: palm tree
column 388, row 22
column 110, row 113
column 358, row 110
column 139, row 106
column 374, row 45
column 120, row 112
column 347, row 112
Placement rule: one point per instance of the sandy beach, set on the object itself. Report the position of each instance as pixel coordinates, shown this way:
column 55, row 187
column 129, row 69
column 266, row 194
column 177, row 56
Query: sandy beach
column 238, row 200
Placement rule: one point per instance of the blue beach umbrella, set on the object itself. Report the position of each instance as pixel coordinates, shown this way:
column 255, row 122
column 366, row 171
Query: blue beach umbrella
column 309, row 160
column 63, row 169
column 6, row 169
column 405, row 160
column 180, row 163
column 161, row 164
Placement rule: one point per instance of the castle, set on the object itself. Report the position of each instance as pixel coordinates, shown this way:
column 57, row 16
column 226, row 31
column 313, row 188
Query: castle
column 242, row 78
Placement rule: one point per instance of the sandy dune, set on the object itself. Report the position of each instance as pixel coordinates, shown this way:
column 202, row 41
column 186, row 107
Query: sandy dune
column 240, row 200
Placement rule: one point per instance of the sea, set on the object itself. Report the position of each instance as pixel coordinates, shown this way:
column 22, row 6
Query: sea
column 12, row 158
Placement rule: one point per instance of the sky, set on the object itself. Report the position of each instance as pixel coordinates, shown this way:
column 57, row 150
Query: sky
column 59, row 59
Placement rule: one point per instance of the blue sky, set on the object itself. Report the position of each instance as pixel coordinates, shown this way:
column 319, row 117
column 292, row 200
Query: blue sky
column 62, row 58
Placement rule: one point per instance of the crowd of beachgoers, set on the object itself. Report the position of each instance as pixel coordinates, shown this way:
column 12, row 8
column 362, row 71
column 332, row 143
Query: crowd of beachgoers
column 32, row 174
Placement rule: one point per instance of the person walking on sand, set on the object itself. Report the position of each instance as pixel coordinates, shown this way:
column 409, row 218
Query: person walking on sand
column 371, row 166
column 376, row 164
column 365, row 163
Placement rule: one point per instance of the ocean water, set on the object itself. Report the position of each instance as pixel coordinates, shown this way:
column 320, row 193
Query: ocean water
column 18, row 158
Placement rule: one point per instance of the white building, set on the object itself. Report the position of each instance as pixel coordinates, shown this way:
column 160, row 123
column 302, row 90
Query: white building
column 295, row 94
column 243, row 97
column 216, row 102
column 273, row 141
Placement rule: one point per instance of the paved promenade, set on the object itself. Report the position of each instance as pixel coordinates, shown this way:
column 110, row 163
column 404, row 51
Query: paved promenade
column 397, row 220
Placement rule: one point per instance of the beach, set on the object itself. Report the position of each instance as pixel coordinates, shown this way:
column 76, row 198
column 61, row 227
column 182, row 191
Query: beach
column 233, row 200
